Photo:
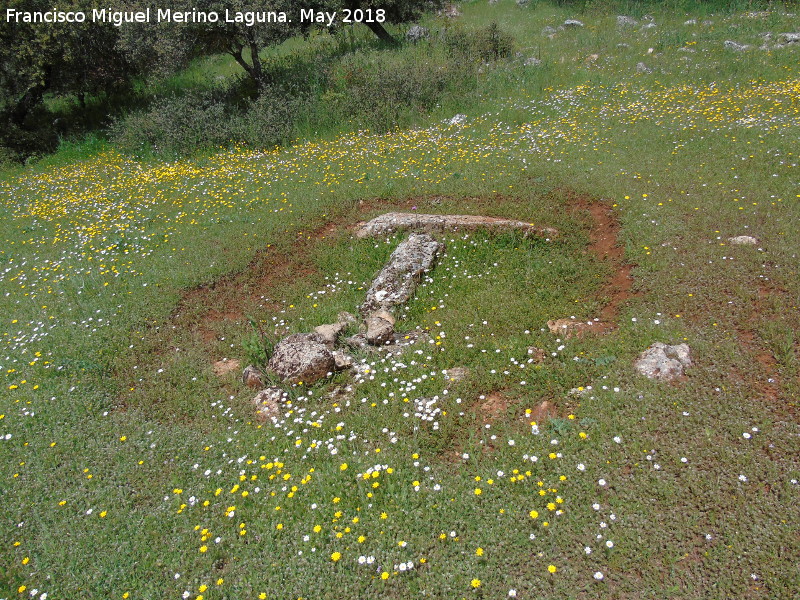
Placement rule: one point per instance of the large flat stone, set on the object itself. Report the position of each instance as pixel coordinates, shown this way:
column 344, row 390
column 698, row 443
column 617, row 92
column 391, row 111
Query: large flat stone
column 396, row 221
column 396, row 283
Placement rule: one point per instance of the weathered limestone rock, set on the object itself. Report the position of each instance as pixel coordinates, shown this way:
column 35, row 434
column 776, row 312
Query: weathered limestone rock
column 253, row 377
column 573, row 23
column 329, row 333
column 396, row 283
column 456, row 374
column 626, row 21
column 643, row 68
column 664, row 362
column 736, row 46
column 417, row 33
column 342, row 360
column 268, row 402
column 379, row 330
column 346, row 318
column 302, row 357
column 532, row 62
column 391, row 222
column 743, row 240
column 788, row 38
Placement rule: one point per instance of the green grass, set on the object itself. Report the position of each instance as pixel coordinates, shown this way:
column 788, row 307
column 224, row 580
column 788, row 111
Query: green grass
column 106, row 354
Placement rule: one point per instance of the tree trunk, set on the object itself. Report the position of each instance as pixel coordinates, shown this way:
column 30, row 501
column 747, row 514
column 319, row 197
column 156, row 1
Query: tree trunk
column 383, row 35
column 28, row 102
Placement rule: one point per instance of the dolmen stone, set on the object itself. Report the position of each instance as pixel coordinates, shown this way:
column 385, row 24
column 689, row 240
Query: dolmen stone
column 396, row 221
column 302, row 357
column 396, row 283
column 664, row 362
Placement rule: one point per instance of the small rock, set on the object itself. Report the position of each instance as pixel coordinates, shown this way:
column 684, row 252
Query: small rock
column 623, row 45
column 522, row 2
column 690, row 22
column 267, row 403
column 626, row 21
column 345, row 318
column 329, row 333
column 532, row 62
column 707, row 23
column 302, row 357
column 357, row 342
column 225, row 366
column 252, row 377
column 647, row 26
column 458, row 120
column 643, row 68
column 789, row 38
column 537, row 354
column 417, row 33
column 379, row 330
column 548, row 31
column 743, row 240
column 456, row 374
column 342, row 360
column 573, row 23
column 664, row 362
column 736, row 46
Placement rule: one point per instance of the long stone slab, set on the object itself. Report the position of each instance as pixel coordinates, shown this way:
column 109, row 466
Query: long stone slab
column 396, row 282
column 397, row 221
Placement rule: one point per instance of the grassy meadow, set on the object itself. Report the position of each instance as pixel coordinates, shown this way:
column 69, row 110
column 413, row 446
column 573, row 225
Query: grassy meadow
column 129, row 469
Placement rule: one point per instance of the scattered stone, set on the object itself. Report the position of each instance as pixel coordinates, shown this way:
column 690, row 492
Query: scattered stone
column 379, row 330
column 396, row 283
column 342, row 360
column 385, row 315
column 626, row 21
column 456, row 374
column 571, row 327
column 623, row 45
column 395, row 221
column 690, row 22
column 532, row 62
column 357, row 342
column 643, row 68
column 707, row 23
column 268, row 403
column 302, row 357
column 543, row 412
column 537, row 354
column 417, row 33
column 784, row 39
column 647, row 26
column 329, row 333
column 458, row 120
column 451, row 11
column 225, row 366
column 253, row 377
column 345, row 318
column 664, row 362
column 549, row 31
column 736, row 46
column 743, row 240
column 522, row 2
column 573, row 23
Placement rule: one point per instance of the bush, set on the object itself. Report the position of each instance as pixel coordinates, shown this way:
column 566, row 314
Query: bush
column 487, row 44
